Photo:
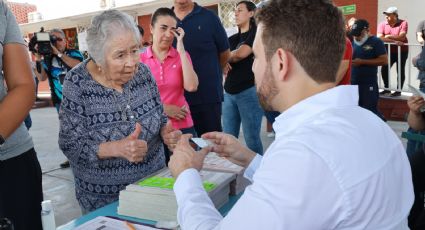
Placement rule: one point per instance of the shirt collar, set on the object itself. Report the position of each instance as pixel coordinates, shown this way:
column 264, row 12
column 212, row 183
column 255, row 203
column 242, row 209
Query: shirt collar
column 172, row 52
column 196, row 9
column 311, row 107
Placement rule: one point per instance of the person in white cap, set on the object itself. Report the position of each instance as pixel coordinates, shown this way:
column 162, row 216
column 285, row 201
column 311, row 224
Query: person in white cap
column 394, row 30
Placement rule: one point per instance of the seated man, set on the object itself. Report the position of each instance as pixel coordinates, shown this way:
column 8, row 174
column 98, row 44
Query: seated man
column 333, row 164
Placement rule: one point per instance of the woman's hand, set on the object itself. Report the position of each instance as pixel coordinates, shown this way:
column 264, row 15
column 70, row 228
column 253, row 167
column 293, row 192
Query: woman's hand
column 179, row 34
column 131, row 148
column 175, row 112
column 170, row 136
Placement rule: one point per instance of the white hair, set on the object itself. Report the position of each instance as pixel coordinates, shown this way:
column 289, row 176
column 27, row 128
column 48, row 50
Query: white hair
column 105, row 26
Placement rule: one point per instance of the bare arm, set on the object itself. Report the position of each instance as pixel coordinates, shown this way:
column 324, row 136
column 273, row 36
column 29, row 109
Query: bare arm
column 41, row 76
column 416, row 119
column 69, row 61
column 343, row 67
column 190, row 79
column 393, row 38
column 21, row 91
column 242, row 52
column 224, row 58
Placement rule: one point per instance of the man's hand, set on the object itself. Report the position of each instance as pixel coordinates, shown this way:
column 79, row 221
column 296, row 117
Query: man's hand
column 55, row 50
column 227, row 146
column 175, row 112
column 170, row 136
column 415, row 103
column 357, row 62
column 185, row 157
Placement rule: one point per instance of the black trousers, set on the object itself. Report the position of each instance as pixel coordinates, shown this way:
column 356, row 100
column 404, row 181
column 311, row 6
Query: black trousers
column 394, row 59
column 21, row 191
column 417, row 213
column 206, row 117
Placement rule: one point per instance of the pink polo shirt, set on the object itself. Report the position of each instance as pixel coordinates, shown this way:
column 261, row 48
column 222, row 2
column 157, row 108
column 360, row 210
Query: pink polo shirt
column 169, row 78
column 401, row 26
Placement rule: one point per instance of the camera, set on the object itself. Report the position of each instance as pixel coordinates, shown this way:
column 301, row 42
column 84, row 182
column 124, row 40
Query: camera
column 41, row 43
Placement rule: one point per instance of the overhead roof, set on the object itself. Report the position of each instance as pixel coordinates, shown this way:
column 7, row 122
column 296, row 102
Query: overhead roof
column 145, row 8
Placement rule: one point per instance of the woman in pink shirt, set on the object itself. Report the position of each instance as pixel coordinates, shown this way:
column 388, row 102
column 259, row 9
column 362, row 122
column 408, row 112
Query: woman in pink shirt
column 172, row 68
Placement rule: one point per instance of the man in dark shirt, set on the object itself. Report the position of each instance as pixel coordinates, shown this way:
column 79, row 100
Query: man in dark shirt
column 368, row 53
column 206, row 41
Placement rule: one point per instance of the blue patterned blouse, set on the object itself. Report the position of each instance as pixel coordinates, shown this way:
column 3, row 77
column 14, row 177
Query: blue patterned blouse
column 92, row 114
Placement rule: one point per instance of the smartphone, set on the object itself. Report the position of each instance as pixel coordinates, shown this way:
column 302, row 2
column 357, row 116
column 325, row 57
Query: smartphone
column 199, row 142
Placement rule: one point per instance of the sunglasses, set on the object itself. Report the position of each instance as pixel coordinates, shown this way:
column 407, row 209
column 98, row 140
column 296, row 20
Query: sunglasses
column 59, row 39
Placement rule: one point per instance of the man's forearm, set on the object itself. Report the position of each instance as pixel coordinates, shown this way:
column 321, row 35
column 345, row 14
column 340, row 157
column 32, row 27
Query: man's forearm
column 224, row 58
column 416, row 121
column 71, row 62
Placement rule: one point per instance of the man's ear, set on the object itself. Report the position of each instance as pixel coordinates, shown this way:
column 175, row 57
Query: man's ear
column 282, row 64
column 151, row 29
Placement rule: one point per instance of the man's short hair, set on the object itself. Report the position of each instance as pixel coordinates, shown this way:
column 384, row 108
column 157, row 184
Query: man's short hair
column 312, row 30
column 57, row 30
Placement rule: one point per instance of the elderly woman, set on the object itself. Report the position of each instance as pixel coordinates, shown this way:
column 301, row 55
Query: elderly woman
column 112, row 124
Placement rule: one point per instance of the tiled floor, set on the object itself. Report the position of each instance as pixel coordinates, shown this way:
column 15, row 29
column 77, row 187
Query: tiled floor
column 58, row 184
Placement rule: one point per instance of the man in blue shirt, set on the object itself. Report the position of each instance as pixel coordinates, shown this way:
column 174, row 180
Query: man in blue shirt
column 206, row 41
column 368, row 53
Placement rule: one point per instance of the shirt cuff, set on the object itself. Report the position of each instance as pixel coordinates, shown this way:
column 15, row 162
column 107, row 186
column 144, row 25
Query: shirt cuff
column 252, row 167
column 185, row 182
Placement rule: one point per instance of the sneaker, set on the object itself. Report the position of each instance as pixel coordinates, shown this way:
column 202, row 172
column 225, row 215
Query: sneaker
column 396, row 94
column 385, row 92
column 64, row 164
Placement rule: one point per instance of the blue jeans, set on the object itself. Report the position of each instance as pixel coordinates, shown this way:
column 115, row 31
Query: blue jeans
column 244, row 108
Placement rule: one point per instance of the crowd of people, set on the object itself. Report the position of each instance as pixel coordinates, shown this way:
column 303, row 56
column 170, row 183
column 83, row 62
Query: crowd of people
column 129, row 110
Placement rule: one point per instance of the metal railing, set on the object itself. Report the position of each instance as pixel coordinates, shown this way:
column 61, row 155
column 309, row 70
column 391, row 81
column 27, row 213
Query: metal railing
column 414, row 49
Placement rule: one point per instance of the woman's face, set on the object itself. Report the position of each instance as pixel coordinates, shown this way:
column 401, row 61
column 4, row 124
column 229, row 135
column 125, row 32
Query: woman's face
column 121, row 57
column 162, row 35
column 242, row 15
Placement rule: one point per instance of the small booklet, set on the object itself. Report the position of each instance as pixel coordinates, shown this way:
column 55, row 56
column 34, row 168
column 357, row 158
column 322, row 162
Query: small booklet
column 112, row 223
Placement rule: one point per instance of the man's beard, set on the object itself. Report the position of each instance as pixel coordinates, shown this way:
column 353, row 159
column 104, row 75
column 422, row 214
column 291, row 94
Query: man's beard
column 267, row 90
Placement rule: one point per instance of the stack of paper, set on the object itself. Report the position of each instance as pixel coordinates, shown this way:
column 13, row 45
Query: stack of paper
column 213, row 162
column 153, row 198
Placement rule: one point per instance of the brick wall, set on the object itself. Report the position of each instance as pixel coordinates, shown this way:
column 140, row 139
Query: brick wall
column 365, row 9
column 21, row 10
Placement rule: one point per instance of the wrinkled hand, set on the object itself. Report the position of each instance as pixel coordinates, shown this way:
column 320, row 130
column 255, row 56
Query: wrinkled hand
column 132, row 148
column 415, row 103
column 170, row 136
column 227, row 146
column 185, row 157
column 179, row 34
column 175, row 112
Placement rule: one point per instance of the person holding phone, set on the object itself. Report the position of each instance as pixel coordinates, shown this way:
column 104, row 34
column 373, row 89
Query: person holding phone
column 172, row 68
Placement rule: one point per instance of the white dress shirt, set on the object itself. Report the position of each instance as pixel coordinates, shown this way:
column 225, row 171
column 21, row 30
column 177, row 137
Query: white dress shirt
column 333, row 165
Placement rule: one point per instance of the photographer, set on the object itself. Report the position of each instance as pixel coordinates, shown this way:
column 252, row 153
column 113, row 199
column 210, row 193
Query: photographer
column 54, row 67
